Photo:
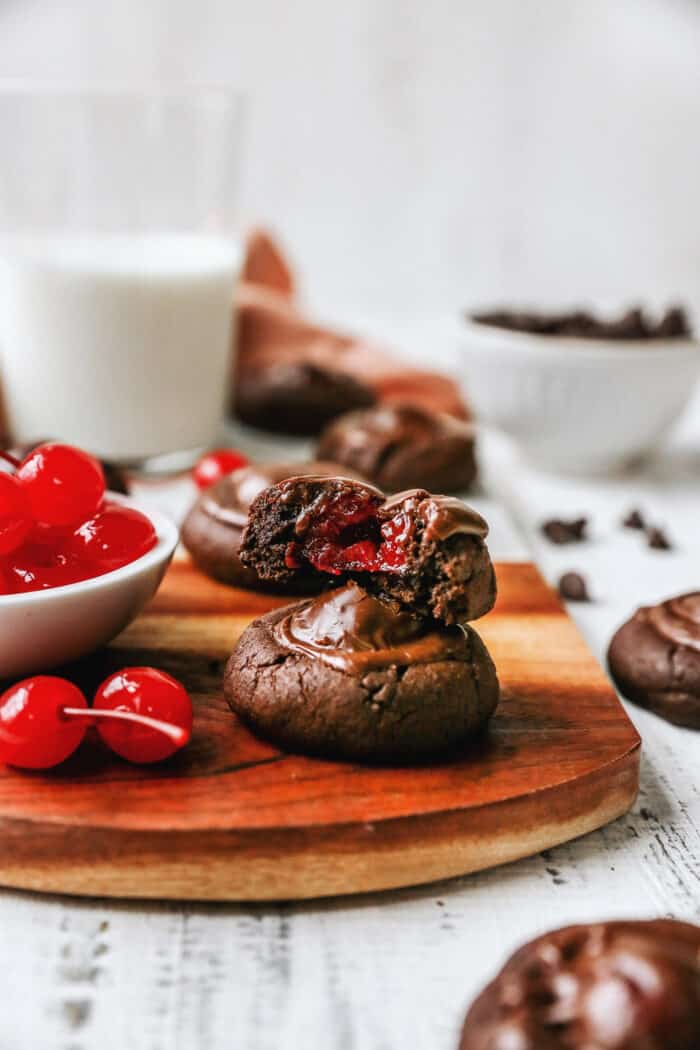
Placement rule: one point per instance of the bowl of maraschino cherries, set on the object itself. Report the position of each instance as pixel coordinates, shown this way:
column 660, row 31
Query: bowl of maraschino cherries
column 77, row 563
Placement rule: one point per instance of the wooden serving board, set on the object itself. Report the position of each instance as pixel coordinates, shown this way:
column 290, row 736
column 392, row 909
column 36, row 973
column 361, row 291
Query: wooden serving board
column 233, row 818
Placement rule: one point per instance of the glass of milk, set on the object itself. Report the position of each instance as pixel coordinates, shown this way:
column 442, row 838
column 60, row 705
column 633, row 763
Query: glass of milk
column 119, row 257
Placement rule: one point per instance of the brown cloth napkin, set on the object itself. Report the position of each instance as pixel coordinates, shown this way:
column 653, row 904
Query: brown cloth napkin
column 272, row 329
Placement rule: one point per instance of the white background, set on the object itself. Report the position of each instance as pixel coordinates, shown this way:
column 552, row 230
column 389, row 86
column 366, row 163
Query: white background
column 418, row 155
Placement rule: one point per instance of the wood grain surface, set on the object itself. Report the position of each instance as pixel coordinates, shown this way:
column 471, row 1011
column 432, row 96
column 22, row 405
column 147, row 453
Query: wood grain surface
column 232, row 818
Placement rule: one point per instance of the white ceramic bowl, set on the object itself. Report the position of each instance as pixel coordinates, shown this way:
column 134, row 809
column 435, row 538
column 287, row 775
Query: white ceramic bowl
column 45, row 628
column 575, row 405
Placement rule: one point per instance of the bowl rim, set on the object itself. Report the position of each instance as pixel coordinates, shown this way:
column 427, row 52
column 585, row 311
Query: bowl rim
column 577, row 347
column 167, row 534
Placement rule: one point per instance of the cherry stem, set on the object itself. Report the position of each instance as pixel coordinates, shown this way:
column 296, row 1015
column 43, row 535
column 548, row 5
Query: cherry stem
column 9, row 458
column 177, row 734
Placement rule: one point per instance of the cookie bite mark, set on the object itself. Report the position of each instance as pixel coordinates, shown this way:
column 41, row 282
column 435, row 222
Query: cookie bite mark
column 213, row 528
column 426, row 553
column 346, row 676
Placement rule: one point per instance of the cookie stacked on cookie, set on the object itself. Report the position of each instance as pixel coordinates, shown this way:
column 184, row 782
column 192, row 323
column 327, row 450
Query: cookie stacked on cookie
column 384, row 667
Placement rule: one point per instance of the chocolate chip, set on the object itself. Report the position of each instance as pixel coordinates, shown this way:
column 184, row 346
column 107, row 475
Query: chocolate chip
column 634, row 520
column 558, row 531
column 573, row 588
column 658, row 540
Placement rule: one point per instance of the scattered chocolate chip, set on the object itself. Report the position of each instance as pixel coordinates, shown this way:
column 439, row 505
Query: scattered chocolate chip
column 634, row 520
column 658, row 540
column 573, row 588
column 558, row 531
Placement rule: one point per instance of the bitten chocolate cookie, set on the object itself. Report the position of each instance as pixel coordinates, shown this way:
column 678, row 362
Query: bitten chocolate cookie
column 213, row 527
column 403, row 447
column 424, row 553
column 298, row 397
column 654, row 659
column 608, row 986
column 345, row 676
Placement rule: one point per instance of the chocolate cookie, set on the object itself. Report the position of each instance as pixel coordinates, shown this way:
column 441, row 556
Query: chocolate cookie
column 425, row 553
column 608, row 986
column 213, row 527
column 403, row 447
column 654, row 659
column 298, row 397
column 345, row 676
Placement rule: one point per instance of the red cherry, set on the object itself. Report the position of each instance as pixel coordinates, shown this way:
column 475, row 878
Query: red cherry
column 216, row 465
column 39, row 566
column 144, row 691
column 34, row 732
column 15, row 515
column 115, row 536
column 62, row 484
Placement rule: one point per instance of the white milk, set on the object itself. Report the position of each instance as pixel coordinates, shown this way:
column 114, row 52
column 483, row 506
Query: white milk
column 118, row 344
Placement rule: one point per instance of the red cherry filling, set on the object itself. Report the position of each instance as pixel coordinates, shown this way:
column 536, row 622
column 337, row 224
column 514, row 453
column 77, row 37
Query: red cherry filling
column 115, row 536
column 345, row 534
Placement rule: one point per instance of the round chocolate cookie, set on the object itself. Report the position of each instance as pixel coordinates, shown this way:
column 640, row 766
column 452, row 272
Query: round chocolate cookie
column 608, row 986
column 298, row 397
column 654, row 659
column 345, row 676
column 403, row 447
column 213, row 527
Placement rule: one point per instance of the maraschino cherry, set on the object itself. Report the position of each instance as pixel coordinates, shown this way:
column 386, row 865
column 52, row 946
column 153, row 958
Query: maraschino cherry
column 39, row 566
column 148, row 694
column 63, row 485
column 56, row 528
column 43, row 720
column 15, row 515
column 113, row 537
column 217, row 464
column 34, row 732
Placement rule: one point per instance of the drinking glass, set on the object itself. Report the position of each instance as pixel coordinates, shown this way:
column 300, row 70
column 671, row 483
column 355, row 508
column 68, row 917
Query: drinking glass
column 119, row 256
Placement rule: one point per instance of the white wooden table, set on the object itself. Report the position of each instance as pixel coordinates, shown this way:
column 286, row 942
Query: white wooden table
column 389, row 971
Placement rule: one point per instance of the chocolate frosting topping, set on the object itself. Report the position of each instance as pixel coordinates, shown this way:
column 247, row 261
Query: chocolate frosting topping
column 444, row 516
column 618, row 985
column 677, row 620
column 355, row 633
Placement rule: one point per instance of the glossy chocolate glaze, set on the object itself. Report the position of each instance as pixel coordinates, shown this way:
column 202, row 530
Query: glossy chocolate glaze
column 355, row 633
column 444, row 516
column 608, row 986
column 677, row 620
